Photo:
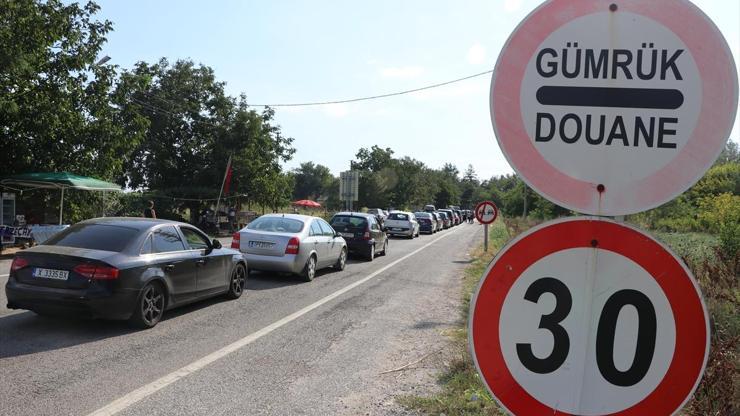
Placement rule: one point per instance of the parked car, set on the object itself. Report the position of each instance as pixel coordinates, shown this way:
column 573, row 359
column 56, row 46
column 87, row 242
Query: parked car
column 427, row 222
column 440, row 222
column 454, row 219
column 363, row 233
column 446, row 220
column 429, row 208
column 291, row 243
column 380, row 215
column 124, row 268
column 402, row 223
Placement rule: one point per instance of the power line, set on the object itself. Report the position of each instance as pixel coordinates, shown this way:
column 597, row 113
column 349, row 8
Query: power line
column 152, row 107
column 373, row 97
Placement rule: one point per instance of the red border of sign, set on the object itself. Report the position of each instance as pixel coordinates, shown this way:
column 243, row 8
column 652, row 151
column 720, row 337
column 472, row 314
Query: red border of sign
column 673, row 277
column 495, row 212
column 714, row 61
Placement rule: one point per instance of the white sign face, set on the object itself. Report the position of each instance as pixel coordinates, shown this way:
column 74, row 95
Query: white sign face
column 578, row 273
column 589, row 317
column 486, row 212
column 613, row 110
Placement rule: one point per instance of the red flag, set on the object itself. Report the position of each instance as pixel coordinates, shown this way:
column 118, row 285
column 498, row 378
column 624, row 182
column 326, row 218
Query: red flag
column 227, row 180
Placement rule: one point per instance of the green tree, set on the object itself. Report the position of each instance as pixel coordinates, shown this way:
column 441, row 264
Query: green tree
column 312, row 181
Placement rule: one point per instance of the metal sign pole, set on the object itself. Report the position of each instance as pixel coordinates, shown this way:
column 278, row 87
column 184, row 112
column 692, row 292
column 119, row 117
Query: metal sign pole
column 485, row 237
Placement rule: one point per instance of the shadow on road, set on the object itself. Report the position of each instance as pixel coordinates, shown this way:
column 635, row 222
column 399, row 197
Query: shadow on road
column 28, row 333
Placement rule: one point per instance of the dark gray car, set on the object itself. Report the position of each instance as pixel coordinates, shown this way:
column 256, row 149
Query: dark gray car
column 124, row 268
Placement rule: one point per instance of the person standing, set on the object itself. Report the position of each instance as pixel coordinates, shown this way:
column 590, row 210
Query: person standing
column 149, row 210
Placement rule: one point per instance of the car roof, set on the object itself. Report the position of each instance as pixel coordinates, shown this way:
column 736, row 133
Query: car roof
column 299, row 217
column 355, row 214
column 138, row 223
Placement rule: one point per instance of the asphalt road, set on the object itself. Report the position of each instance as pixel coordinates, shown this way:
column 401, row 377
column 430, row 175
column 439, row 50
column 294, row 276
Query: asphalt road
column 284, row 348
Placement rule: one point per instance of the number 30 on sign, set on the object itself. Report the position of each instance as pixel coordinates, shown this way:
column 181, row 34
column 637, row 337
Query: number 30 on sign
column 587, row 316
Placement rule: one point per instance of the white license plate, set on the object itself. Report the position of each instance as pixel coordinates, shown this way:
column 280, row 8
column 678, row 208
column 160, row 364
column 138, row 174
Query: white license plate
column 397, row 229
column 347, row 235
column 260, row 244
column 51, row 274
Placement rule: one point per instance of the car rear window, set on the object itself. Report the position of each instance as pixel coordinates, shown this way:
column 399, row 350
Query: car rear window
column 398, row 216
column 276, row 225
column 94, row 236
column 345, row 222
column 423, row 214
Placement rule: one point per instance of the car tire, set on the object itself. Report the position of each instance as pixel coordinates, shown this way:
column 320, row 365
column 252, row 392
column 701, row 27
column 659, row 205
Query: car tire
column 237, row 282
column 309, row 270
column 371, row 253
column 149, row 306
column 341, row 261
column 385, row 247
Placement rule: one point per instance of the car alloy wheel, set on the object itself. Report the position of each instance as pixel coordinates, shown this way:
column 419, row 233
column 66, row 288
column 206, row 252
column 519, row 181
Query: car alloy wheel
column 309, row 271
column 150, row 306
column 385, row 247
column 342, row 261
column 238, row 282
column 371, row 253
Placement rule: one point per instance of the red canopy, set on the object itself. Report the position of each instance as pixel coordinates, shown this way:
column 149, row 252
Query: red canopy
column 306, row 203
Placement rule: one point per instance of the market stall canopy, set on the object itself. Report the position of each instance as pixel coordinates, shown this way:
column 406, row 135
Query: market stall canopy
column 57, row 180
column 306, row 203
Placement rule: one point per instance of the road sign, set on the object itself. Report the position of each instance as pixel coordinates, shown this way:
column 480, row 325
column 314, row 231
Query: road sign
column 612, row 108
column 486, row 212
column 588, row 316
column 349, row 186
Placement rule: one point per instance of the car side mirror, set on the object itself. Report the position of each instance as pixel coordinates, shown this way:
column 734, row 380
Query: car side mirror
column 216, row 244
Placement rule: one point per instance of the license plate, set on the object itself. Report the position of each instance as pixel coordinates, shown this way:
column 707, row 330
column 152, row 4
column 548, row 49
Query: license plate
column 347, row 235
column 260, row 244
column 397, row 229
column 51, row 274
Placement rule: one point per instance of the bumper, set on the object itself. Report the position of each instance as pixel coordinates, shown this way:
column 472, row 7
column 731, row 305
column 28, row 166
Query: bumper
column 94, row 302
column 288, row 263
column 426, row 229
column 405, row 232
column 360, row 246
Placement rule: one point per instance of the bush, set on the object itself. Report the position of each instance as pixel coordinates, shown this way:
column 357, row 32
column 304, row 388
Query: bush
column 720, row 215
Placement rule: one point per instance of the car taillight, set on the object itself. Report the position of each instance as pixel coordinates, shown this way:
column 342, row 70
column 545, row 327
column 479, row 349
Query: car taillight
column 94, row 272
column 293, row 245
column 366, row 236
column 18, row 263
column 235, row 240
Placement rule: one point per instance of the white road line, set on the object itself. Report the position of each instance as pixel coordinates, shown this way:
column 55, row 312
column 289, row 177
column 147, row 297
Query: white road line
column 151, row 388
column 4, row 275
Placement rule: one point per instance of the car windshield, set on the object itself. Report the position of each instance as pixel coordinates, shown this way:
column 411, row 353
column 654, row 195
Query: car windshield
column 347, row 223
column 398, row 216
column 276, row 225
column 94, row 236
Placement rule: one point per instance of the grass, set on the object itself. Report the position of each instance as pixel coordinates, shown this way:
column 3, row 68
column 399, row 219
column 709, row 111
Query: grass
column 463, row 392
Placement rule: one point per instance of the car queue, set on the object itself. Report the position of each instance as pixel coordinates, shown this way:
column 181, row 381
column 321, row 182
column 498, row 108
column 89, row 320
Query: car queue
column 135, row 269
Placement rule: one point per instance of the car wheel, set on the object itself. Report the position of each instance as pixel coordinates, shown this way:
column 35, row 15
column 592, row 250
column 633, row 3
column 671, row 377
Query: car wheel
column 371, row 253
column 341, row 261
column 385, row 247
column 149, row 307
column 309, row 270
column 237, row 282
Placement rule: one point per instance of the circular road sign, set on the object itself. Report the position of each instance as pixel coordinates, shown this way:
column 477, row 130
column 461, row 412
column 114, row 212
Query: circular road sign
column 613, row 107
column 587, row 316
column 486, row 212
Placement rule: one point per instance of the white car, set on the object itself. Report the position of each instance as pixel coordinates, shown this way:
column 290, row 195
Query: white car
column 402, row 223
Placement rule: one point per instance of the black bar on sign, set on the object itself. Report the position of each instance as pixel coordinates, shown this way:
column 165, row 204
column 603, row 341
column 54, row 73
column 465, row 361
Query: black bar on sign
column 610, row 97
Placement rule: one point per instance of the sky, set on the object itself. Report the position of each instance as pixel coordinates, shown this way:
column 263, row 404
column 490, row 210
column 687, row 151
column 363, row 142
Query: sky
column 309, row 50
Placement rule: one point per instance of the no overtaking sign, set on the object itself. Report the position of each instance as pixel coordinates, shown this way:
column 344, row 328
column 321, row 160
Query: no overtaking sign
column 612, row 108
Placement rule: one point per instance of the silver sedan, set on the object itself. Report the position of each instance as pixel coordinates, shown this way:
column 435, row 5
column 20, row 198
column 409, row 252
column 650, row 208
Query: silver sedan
column 291, row 243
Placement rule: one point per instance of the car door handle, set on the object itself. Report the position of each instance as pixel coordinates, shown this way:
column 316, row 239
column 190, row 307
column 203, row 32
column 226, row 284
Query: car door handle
column 169, row 267
column 200, row 262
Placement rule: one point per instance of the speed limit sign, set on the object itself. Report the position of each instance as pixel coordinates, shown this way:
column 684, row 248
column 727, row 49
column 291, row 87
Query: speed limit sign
column 588, row 316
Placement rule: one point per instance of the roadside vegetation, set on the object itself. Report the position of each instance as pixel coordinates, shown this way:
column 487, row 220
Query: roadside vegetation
column 702, row 226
